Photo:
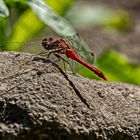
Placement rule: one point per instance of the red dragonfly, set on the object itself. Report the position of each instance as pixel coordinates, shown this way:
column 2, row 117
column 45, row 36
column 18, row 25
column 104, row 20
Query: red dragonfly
column 60, row 46
column 65, row 46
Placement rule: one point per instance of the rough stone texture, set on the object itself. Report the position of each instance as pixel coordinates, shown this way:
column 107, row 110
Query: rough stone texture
column 38, row 101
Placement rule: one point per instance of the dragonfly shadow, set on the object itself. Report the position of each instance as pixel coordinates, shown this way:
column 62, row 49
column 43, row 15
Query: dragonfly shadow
column 46, row 60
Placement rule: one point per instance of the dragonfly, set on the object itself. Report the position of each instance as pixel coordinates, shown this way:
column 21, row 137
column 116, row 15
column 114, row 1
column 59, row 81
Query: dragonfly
column 61, row 46
column 68, row 46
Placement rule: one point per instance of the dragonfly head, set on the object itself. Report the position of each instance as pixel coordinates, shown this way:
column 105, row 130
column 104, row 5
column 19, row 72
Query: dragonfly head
column 46, row 42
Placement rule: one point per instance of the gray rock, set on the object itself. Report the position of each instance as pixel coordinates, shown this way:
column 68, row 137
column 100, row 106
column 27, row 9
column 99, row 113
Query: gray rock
column 38, row 101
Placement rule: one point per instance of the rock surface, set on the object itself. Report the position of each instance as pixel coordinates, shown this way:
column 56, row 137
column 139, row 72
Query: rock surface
column 38, row 101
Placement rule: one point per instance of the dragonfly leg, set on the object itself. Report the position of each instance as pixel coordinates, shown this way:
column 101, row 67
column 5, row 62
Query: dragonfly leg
column 43, row 53
column 46, row 53
column 59, row 57
column 64, row 60
column 54, row 51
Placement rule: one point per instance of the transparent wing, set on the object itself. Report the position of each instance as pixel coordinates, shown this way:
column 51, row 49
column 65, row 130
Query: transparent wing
column 29, row 46
column 81, row 48
column 76, row 43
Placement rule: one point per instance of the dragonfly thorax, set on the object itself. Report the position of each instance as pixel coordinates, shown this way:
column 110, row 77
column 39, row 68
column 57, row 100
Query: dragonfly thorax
column 51, row 44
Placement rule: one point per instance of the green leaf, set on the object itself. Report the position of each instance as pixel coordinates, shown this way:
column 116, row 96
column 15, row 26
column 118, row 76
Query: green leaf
column 118, row 68
column 2, row 32
column 4, row 12
column 26, row 27
column 29, row 24
column 51, row 18
column 60, row 6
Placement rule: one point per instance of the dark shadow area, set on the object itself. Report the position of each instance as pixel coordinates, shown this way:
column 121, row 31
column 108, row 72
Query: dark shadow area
column 11, row 113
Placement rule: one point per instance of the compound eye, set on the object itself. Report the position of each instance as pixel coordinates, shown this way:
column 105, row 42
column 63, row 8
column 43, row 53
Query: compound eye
column 50, row 39
column 44, row 43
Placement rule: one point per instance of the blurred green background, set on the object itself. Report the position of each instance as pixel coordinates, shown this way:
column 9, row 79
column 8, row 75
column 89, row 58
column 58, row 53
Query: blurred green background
column 109, row 29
